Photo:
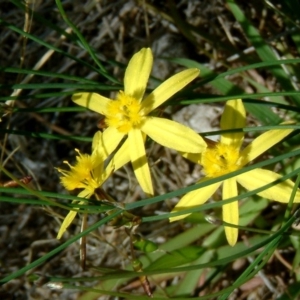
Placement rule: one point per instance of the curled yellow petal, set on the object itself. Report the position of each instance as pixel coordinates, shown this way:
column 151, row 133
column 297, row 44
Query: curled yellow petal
column 97, row 141
column 72, row 213
column 66, row 223
column 173, row 135
column 168, row 88
column 230, row 210
column 257, row 178
column 139, row 160
column 92, row 101
column 194, row 198
column 262, row 143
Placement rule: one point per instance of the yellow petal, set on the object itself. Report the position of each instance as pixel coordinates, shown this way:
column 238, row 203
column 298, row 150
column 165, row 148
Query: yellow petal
column 108, row 141
column 92, row 101
column 97, row 141
column 194, row 198
column 193, row 157
column 72, row 214
column 230, row 210
column 107, row 172
column 137, row 73
column 121, row 158
column 66, row 223
column 139, row 160
column 98, row 170
column 173, row 135
column 280, row 192
column 168, row 88
column 234, row 116
column 262, row 143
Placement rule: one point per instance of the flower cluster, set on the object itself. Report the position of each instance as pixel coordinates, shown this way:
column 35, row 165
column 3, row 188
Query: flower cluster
column 129, row 116
column 87, row 174
column 129, row 120
column 227, row 156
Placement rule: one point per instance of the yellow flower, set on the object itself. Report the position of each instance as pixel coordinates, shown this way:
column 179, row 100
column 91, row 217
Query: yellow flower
column 128, row 115
column 88, row 174
column 227, row 156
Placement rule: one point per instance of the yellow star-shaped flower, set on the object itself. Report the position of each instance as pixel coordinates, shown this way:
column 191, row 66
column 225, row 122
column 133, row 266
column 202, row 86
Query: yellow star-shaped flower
column 226, row 156
column 128, row 115
column 88, row 174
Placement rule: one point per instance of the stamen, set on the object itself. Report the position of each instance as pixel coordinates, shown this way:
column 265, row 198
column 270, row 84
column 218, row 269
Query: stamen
column 124, row 113
column 220, row 159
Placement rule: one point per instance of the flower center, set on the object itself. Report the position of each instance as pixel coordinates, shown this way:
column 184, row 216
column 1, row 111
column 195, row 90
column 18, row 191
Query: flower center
column 124, row 113
column 81, row 175
column 220, row 159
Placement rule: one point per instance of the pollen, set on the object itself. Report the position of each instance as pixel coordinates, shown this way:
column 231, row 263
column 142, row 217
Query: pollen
column 124, row 113
column 220, row 160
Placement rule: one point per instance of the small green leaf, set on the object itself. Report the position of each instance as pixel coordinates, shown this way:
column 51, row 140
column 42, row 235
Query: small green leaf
column 177, row 257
